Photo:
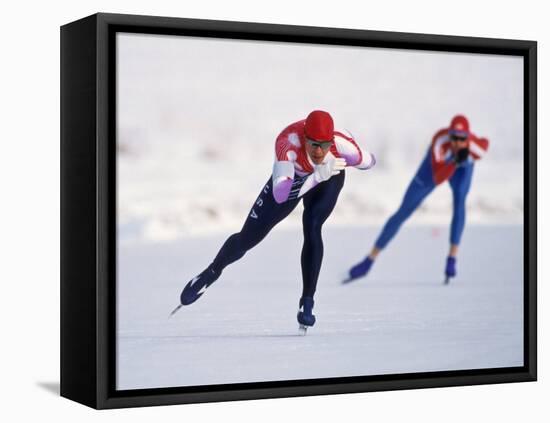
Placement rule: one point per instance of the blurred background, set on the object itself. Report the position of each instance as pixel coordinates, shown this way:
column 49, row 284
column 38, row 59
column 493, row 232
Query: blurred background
column 197, row 120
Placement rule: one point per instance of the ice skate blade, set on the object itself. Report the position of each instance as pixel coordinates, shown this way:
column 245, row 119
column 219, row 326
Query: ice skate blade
column 175, row 310
column 349, row 279
column 447, row 280
column 302, row 329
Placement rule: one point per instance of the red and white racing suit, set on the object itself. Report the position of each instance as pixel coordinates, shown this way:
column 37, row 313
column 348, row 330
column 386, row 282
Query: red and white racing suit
column 292, row 161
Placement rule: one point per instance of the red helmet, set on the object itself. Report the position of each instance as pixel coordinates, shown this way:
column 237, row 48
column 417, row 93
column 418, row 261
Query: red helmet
column 319, row 126
column 459, row 126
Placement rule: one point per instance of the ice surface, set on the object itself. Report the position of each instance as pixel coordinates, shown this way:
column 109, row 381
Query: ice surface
column 399, row 319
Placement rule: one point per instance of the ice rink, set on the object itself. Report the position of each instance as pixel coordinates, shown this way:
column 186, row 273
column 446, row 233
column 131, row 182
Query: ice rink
column 399, row 319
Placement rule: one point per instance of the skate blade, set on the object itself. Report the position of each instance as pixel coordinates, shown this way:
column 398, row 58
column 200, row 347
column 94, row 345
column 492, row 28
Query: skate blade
column 175, row 310
column 349, row 279
column 302, row 329
column 447, row 280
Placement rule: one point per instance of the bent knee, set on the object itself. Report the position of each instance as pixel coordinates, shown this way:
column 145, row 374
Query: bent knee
column 313, row 226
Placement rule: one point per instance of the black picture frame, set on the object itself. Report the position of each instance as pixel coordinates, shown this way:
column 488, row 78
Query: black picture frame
column 88, row 227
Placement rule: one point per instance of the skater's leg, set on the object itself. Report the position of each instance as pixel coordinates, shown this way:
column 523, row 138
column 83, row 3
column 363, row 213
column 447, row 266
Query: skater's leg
column 421, row 185
column 415, row 194
column 318, row 205
column 460, row 184
column 263, row 216
column 417, row 191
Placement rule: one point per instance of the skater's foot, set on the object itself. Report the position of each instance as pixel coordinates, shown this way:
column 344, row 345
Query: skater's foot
column 359, row 270
column 450, row 268
column 305, row 313
column 197, row 286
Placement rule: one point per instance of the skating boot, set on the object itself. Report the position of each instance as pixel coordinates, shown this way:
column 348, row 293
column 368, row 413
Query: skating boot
column 305, row 314
column 197, row 286
column 359, row 270
column 450, row 269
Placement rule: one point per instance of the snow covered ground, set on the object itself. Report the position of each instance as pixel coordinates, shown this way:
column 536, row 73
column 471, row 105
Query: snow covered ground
column 197, row 121
column 399, row 319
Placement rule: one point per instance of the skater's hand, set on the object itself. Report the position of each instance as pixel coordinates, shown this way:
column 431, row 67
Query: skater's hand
column 331, row 167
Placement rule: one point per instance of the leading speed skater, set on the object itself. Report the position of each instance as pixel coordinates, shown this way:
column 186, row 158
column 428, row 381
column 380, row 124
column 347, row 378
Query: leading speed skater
column 309, row 167
column 451, row 157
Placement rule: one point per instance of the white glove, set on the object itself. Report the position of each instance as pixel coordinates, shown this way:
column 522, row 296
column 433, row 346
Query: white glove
column 331, row 167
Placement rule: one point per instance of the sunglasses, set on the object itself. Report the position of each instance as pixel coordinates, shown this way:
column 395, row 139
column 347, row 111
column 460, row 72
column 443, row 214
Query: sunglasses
column 324, row 145
column 458, row 137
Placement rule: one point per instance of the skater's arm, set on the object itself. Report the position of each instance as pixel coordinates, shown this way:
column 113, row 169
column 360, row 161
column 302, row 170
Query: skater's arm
column 286, row 153
column 322, row 172
column 443, row 163
column 354, row 155
column 478, row 147
column 443, row 171
column 289, row 186
column 283, row 178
